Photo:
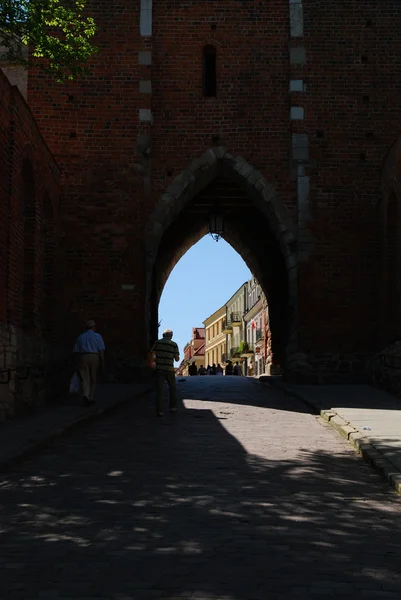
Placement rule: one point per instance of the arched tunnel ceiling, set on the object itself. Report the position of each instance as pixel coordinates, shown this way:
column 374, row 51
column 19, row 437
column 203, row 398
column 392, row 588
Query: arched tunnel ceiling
column 223, row 193
column 192, row 223
column 246, row 230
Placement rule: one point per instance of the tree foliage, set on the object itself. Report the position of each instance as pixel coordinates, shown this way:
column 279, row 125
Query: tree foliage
column 54, row 30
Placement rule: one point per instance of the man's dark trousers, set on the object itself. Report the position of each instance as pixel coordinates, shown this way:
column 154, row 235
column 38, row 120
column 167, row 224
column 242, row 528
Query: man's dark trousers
column 161, row 377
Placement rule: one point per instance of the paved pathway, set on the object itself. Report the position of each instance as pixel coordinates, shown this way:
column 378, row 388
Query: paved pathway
column 369, row 417
column 24, row 436
column 243, row 495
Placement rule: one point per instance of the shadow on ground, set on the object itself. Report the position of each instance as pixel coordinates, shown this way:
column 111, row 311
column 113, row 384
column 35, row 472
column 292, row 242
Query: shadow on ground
column 236, row 390
column 136, row 507
column 326, row 397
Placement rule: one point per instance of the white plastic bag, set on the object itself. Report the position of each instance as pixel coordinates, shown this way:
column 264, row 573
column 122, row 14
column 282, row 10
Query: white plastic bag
column 74, row 384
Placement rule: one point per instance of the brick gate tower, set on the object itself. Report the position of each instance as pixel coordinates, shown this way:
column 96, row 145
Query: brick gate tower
column 279, row 114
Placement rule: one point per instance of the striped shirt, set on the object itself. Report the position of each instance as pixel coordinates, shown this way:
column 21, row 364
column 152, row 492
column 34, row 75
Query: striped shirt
column 165, row 350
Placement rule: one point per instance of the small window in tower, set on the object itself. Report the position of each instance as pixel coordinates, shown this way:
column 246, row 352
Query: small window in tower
column 209, row 72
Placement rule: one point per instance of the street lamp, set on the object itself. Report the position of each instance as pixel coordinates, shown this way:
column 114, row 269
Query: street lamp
column 216, row 225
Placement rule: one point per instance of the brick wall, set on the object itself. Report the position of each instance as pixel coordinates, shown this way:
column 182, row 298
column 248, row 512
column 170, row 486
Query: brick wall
column 29, row 196
column 126, row 132
column 94, row 129
column 352, row 117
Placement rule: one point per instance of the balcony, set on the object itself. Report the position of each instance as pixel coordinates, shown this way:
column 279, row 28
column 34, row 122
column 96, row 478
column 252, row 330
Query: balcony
column 259, row 335
column 227, row 327
column 236, row 319
column 246, row 351
column 235, row 352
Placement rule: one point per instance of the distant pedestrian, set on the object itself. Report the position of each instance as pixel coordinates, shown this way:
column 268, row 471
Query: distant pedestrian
column 237, row 369
column 89, row 354
column 202, row 370
column 229, row 368
column 192, row 370
column 166, row 353
column 219, row 369
column 214, row 369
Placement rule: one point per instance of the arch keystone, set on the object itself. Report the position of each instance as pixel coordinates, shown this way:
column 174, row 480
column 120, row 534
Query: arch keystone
column 219, row 151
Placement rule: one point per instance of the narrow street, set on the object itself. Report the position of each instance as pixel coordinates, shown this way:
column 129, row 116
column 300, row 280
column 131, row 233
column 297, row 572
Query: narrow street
column 242, row 495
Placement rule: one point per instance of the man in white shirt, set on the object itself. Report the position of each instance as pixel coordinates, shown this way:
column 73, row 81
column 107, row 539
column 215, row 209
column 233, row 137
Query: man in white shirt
column 89, row 351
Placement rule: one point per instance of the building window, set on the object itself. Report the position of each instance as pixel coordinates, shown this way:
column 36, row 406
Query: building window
column 209, row 72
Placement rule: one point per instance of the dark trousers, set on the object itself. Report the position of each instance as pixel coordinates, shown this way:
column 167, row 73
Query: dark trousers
column 161, row 377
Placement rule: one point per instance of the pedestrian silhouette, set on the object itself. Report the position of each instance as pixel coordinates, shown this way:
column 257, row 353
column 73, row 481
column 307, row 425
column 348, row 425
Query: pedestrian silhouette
column 166, row 353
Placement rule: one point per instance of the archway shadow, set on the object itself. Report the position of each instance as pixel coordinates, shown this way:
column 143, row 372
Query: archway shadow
column 140, row 508
column 244, row 391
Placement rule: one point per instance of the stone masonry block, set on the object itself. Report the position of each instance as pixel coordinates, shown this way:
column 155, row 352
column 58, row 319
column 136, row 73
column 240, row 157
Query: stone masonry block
column 143, row 143
column 296, row 85
column 297, row 113
column 243, row 168
column 303, row 190
column 338, row 423
column 296, row 18
column 220, row 151
column 145, row 87
column 145, row 25
column 145, row 115
column 145, row 57
column 327, row 415
column 298, row 56
column 300, row 146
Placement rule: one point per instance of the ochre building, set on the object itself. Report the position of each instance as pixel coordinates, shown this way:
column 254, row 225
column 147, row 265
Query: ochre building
column 216, row 346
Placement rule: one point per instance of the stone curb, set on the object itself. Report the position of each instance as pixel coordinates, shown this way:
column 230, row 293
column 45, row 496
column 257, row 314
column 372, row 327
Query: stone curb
column 36, row 446
column 360, row 443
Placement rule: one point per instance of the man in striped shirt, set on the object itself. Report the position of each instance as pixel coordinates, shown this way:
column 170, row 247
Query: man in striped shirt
column 166, row 353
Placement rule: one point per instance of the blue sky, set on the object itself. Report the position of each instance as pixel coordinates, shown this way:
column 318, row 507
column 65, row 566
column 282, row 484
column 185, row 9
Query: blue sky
column 202, row 281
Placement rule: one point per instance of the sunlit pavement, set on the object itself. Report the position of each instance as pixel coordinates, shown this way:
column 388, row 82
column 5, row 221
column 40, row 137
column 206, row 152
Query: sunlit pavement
column 241, row 495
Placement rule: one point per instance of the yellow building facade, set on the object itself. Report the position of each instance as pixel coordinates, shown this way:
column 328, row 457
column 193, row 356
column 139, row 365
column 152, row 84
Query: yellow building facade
column 215, row 349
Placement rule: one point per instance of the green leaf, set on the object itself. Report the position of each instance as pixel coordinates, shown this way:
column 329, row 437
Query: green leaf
column 58, row 34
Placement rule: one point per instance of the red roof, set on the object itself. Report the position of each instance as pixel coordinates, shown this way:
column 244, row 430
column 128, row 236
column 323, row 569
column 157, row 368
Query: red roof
column 198, row 350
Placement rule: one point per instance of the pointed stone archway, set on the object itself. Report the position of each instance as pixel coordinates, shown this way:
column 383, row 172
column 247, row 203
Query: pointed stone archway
column 191, row 183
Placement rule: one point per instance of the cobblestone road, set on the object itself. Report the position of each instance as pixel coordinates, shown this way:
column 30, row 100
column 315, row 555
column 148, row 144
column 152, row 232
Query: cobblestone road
column 243, row 495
